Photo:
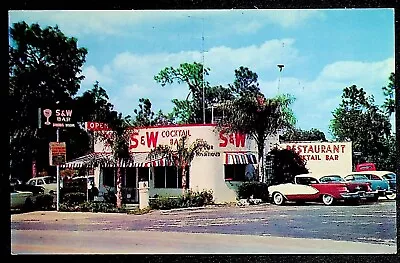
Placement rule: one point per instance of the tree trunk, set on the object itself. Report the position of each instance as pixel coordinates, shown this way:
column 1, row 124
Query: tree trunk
column 119, row 186
column 261, row 162
column 183, row 180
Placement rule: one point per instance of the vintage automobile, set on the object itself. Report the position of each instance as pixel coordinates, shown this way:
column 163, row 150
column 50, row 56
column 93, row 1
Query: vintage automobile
column 21, row 199
column 391, row 178
column 362, row 188
column 379, row 185
column 47, row 182
column 307, row 187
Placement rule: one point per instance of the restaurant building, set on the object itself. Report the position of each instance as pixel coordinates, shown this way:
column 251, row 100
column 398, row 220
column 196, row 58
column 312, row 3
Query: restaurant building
column 230, row 158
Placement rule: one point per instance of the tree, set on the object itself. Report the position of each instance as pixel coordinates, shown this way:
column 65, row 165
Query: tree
column 190, row 110
column 245, row 83
column 181, row 156
column 286, row 165
column 359, row 120
column 44, row 67
column 144, row 116
column 259, row 118
column 193, row 75
column 389, row 92
column 118, row 140
column 303, row 135
column 94, row 105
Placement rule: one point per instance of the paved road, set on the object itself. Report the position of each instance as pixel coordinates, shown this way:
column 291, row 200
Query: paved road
column 368, row 224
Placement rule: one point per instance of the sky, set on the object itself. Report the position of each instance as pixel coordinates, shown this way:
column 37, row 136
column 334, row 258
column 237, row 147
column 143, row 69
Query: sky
column 322, row 50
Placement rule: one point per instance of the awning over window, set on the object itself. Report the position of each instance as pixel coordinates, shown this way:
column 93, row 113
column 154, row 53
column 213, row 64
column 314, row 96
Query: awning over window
column 107, row 160
column 240, row 158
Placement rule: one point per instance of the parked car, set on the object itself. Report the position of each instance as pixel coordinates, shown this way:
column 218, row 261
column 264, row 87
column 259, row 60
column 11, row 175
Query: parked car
column 36, row 190
column 379, row 185
column 47, row 182
column 15, row 181
column 307, row 187
column 391, row 178
column 362, row 188
column 21, row 199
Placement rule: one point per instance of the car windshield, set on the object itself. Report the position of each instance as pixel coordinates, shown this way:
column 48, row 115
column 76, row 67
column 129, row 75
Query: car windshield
column 331, row 178
column 390, row 176
column 50, row 180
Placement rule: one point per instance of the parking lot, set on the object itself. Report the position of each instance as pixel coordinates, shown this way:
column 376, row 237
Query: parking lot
column 369, row 223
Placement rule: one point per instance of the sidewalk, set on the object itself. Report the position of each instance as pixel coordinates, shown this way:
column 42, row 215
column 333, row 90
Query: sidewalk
column 155, row 242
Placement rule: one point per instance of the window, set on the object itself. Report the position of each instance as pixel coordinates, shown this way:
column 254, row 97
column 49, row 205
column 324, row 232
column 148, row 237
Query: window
column 159, row 177
column 33, row 182
column 169, row 177
column 332, row 178
column 172, row 177
column 235, row 172
column 108, row 177
column 306, row 180
column 390, row 176
column 373, row 177
column 143, row 174
column 130, row 175
column 40, row 182
column 50, row 180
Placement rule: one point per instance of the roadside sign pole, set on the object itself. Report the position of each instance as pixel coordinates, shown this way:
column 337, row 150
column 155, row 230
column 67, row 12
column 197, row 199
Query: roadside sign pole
column 58, row 175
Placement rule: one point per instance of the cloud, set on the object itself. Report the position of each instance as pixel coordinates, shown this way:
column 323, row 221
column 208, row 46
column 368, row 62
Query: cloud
column 316, row 99
column 292, row 18
column 93, row 22
column 102, row 23
column 349, row 70
column 92, row 75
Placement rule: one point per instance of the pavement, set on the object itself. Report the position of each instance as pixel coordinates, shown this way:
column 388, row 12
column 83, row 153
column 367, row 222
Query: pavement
column 99, row 240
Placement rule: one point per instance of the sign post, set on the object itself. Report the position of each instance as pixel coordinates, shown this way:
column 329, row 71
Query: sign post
column 56, row 117
column 58, row 175
column 57, row 157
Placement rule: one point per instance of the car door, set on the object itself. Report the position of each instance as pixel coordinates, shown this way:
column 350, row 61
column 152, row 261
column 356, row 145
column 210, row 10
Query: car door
column 377, row 182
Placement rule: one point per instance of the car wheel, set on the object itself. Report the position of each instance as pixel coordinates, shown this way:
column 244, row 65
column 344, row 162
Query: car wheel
column 328, row 199
column 28, row 206
column 278, row 199
column 391, row 196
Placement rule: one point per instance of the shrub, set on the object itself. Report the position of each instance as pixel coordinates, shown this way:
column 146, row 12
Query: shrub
column 164, row 203
column 91, row 206
column 44, row 202
column 258, row 190
column 190, row 199
column 74, row 198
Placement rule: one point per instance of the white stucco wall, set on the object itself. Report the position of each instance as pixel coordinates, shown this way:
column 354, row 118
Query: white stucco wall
column 206, row 171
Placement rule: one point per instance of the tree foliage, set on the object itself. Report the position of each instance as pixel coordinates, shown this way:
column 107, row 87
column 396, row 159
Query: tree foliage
column 359, row 120
column 389, row 92
column 303, row 135
column 286, row 165
column 258, row 117
column 44, row 67
column 118, row 140
column 190, row 110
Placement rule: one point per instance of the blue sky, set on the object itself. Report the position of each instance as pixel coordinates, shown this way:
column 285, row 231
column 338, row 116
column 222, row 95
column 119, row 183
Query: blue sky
column 323, row 52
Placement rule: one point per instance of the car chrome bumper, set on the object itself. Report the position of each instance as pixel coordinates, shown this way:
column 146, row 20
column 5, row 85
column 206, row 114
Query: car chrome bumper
column 350, row 195
column 382, row 192
column 370, row 194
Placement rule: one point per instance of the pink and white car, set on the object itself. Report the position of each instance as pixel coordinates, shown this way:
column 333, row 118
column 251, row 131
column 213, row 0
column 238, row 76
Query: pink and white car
column 307, row 187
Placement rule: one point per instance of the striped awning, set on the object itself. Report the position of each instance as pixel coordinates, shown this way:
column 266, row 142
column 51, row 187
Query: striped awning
column 240, row 158
column 108, row 160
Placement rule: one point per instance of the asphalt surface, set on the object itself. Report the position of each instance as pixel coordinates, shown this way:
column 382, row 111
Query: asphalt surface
column 373, row 223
